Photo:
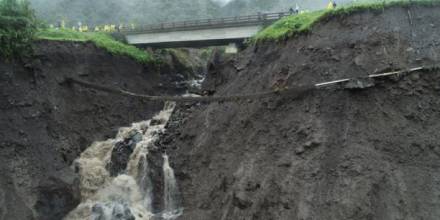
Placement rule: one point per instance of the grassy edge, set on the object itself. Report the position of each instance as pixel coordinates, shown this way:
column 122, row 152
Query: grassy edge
column 294, row 25
column 101, row 40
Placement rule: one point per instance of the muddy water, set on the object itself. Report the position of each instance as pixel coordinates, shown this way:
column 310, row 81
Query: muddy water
column 128, row 195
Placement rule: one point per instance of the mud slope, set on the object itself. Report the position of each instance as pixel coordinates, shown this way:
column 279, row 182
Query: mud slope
column 333, row 153
column 44, row 126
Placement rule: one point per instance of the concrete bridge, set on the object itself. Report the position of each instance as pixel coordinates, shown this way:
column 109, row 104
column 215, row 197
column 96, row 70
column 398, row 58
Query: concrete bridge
column 200, row 33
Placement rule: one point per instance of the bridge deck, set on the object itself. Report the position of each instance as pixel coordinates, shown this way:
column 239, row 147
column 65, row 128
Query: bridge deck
column 200, row 33
column 249, row 20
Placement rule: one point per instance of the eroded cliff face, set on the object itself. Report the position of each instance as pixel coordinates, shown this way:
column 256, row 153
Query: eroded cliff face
column 331, row 153
column 45, row 125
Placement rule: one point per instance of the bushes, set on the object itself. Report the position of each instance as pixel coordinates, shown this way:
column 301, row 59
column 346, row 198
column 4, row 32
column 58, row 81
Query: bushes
column 17, row 28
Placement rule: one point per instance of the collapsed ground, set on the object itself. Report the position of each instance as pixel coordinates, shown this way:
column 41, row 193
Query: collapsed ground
column 330, row 154
column 46, row 124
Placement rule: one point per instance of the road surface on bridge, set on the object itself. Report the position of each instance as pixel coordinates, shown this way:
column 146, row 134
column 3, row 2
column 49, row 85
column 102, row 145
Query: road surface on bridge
column 200, row 33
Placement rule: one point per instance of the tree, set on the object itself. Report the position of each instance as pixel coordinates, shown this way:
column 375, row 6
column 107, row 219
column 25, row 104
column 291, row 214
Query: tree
column 17, row 28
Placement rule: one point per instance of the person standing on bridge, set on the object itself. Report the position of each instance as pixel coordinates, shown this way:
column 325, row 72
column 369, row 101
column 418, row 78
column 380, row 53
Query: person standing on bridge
column 297, row 9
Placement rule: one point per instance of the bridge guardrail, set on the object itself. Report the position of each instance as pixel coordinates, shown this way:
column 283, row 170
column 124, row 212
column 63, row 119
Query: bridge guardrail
column 265, row 18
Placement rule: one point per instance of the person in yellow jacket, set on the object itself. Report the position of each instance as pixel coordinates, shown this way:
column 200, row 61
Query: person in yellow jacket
column 331, row 5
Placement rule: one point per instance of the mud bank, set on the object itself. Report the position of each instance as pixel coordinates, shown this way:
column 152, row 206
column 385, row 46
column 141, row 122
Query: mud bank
column 331, row 154
column 46, row 125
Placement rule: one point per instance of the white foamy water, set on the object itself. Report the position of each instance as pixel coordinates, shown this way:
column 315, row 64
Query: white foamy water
column 127, row 196
column 171, row 197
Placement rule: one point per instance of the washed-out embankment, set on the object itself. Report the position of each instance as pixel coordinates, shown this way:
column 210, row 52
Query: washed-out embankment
column 329, row 154
column 46, row 124
column 332, row 153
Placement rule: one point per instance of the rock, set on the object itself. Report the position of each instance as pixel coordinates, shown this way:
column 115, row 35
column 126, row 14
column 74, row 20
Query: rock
column 121, row 154
column 300, row 150
column 155, row 122
column 415, row 77
column 21, row 133
column 137, row 137
column 436, row 150
column 359, row 83
column 118, row 211
column 56, row 198
column 98, row 209
column 336, row 58
column 204, row 205
column 311, row 144
column 360, row 60
column 240, row 202
column 252, row 186
column 285, row 164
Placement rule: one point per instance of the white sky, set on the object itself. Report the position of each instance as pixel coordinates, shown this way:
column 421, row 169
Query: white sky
column 222, row 2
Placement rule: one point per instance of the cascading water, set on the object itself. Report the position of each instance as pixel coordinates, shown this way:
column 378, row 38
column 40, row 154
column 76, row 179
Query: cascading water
column 128, row 194
column 171, row 196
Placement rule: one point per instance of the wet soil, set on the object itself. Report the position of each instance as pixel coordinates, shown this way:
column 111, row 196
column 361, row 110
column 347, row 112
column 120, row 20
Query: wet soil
column 332, row 153
column 46, row 124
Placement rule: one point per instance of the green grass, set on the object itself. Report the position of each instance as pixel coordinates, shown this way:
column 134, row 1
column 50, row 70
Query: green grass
column 303, row 23
column 102, row 40
column 289, row 26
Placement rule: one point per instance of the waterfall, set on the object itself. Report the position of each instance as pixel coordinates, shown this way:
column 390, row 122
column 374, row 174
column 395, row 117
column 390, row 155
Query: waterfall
column 171, row 192
column 128, row 194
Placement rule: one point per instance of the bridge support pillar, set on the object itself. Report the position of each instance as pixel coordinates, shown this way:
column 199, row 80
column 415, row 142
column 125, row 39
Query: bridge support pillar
column 232, row 48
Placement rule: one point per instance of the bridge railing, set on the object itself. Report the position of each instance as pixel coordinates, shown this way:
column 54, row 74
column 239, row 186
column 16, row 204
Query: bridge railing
column 263, row 18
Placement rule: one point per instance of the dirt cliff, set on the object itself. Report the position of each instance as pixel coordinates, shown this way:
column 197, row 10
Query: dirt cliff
column 332, row 153
column 46, row 124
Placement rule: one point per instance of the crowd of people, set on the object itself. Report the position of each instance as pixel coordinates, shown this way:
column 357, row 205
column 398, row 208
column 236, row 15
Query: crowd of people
column 99, row 28
column 115, row 28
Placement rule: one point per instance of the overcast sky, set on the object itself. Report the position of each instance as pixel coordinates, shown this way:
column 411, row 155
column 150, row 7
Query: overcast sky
column 222, row 2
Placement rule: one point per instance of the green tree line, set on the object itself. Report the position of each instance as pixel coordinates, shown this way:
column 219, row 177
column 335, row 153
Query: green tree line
column 17, row 28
